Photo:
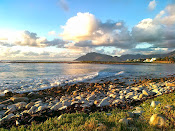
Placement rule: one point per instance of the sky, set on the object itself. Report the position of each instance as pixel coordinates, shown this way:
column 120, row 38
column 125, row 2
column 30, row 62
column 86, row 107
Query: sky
column 66, row 29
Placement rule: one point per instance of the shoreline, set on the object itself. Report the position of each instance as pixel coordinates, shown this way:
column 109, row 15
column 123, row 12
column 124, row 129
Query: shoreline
column 90, row 62
column 82, row 97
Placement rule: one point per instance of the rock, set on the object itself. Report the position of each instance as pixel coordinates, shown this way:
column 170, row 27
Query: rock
column 139, row 108
column 75, row 102
column 137, row 112
column 104, row 102
column 60, row 117
column 11, row 106
column 113, row 96
column 8, row 93
column 135, row 97
column 170, row 84
column 62, row 108
column 31, row 94
column 32, row 110
column 144, row 92
column 117, row 101
column 78, row 97
column 41, row 108
column 11, row 110
column 20, row 105
column 2, row 106
column 29, row 105
column 123, row 121
column 155, row 91
column 108, row 114
column 141, row 96
column 66, row 103
column 7, row 117
column 92, row 97
column 122, row 97
column 130, row 120
column 38, row 104
column 128, row 96
column 56, row 106
column 19, row 99
column 157, row 120
column 17, row 123
column 169, row 107
column 154, row 103
column 101, row 127
column 6, row 101
column 131, row 114
column 96, row 102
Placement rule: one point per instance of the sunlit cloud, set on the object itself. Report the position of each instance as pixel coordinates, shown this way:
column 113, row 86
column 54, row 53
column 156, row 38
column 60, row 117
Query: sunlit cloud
column 152, row 5
column 92, row 32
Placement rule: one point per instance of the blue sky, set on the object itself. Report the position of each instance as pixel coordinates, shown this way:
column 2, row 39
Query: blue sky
column 44, row 16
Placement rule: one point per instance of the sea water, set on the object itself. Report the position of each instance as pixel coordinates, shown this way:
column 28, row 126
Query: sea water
column 24, row 77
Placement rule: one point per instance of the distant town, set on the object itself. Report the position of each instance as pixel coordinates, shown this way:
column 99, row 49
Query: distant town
column 157, row 60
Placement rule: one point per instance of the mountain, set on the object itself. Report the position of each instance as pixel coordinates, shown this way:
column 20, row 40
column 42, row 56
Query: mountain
column 139, row 56
column 93, row 56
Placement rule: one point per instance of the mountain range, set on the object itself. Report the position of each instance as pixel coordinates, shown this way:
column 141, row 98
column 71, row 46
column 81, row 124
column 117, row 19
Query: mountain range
column 93, row 56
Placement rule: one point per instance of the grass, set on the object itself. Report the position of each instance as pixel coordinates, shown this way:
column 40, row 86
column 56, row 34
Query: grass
column 100, row 121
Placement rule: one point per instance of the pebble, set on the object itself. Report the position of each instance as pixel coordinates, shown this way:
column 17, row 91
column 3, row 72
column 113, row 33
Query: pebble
column 56, row 106
column 123, row 121
column 154, row 103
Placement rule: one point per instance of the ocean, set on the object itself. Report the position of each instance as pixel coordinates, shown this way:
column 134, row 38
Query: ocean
column 24, row 77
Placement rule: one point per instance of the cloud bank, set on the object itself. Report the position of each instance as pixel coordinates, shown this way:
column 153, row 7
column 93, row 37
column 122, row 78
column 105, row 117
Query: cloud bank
column 85, row 33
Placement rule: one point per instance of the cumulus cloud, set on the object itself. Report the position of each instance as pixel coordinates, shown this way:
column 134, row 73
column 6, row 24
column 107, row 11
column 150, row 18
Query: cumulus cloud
column 160, row 31
column 79, row 27
column 64, row 5
column 86, row 30
column 166, row 16
column 152, row 5
column 27, row 38
column 147, row 31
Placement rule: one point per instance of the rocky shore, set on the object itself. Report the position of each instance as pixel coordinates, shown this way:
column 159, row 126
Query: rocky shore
column 22, row 109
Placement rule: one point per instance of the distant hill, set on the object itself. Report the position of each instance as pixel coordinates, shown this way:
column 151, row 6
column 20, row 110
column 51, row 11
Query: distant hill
column 93, row 56
column 139, row 56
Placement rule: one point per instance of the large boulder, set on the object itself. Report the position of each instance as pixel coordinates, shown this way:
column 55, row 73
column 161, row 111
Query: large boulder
column 19, row 99
column 157, row 120
column 104, row 102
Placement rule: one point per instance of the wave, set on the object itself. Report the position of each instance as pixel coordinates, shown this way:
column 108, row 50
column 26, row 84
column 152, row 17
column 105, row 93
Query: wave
column 29, row 85
column 35, row 84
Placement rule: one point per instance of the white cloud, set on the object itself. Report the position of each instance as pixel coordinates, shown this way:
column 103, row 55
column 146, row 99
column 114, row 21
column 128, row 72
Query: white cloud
column 52, row 33
column 147, row 31
column 166, row 16
column 160, row 31
column 79, row 27
column 26, row 38
column 86, row 30
column 152, row 5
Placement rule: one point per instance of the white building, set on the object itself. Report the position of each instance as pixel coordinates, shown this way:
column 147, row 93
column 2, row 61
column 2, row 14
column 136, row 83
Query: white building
column 150, row 60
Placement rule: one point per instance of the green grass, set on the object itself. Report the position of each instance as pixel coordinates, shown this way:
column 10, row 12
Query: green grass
column 99, row 121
